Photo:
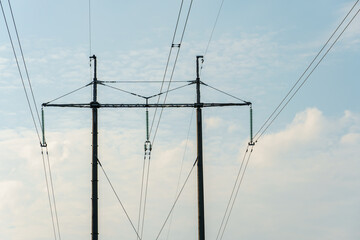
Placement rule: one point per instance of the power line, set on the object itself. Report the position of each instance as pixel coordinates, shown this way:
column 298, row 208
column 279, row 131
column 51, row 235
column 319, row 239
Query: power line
column 145, row 197
column 309, row 66
column 291, row 97
column 177, row 198
column 237, row 191
column 141, row 192
column 168, row 89
column 181, row 168
column 23, row 60
column 20, row 73
column 168, row 60
column 232, row 192
column 174, row 65
column 286, row 103
column 53, row 191
column 117, row 197
column 48, row 192
column 213, row 29
column 90, row 50
column 51, row 200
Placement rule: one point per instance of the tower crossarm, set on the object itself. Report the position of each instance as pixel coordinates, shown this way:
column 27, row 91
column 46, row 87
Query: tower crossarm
column 130, row 105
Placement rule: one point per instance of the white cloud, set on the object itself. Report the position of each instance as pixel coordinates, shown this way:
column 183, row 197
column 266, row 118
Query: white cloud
column 212, row 122
column 300, row 176
column 303, row 175
column 351, row 138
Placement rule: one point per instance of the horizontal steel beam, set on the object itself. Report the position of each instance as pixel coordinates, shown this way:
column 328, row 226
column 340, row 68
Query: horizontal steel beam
column 164, row 105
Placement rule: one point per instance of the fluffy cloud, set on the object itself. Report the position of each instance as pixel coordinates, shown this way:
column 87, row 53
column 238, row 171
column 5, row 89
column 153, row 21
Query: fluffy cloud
column 303, row 176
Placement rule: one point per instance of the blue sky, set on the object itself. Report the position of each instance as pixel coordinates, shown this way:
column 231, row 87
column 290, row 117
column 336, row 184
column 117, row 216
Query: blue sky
column 302, row 178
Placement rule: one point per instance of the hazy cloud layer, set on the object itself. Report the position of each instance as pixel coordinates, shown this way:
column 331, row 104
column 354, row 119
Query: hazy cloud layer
column 301, row 177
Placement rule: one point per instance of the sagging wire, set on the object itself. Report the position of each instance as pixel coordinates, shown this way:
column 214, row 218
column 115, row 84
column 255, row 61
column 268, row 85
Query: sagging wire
column 20, row 73
column 143, row 193
column 118, row 198
column 232, row 192
column 48, row 192
column 52, row 202
column 213, row 29
column 53, row 192
column 49, row 178
column 23, row 60
column 90, row 35
column 212, row 33
column 233, row 197
column 181, row 168
column 176, row 200
column 238, row 181
column 285, row 102
column 237, row 190
column 178, row 46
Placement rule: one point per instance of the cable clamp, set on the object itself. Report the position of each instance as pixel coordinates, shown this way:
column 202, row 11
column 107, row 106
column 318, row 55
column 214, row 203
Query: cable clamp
column 176, row 45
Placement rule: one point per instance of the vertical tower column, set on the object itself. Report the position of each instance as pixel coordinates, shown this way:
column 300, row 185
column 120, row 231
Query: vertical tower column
column 94, row 182
column 200, row 175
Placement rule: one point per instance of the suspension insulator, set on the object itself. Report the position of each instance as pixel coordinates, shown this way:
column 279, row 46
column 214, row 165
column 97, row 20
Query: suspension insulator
column 43, row 144
column 147, row 146
column 251, row 143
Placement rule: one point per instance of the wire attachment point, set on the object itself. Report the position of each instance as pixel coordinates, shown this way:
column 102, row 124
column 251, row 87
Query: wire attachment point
column 147, row 147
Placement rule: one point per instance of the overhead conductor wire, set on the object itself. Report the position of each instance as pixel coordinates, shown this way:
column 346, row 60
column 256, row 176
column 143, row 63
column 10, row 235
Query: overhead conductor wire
column 237, row 191
column 212, row 31
column 90, row 44
column 176, row 199
column 53, row 192
column 33, row 117
column 118, row 198
column 223, row 225
column 283, row 102
column 214, row 26
column 181, row 169
column 166, row 93
column 89, row 15
column 168, row 60
column 23, row 60
column 20, row 73
column 141, row 194
column 145, row 194
column 174, row 66
column 48, row 193
column 232, row 193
